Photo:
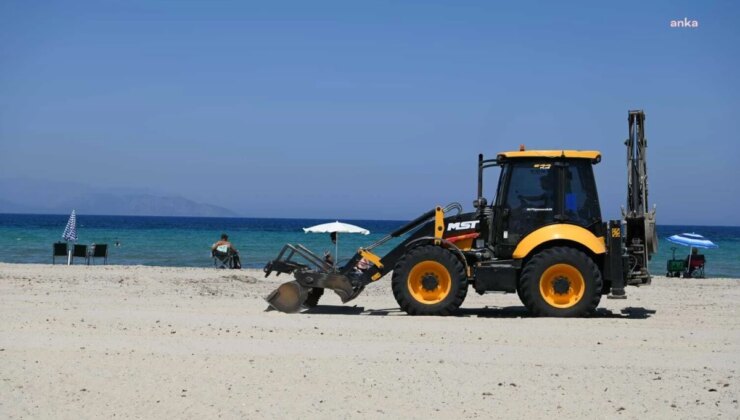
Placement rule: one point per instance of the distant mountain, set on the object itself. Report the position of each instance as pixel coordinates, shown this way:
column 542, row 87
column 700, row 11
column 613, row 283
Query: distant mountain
column 35, row 196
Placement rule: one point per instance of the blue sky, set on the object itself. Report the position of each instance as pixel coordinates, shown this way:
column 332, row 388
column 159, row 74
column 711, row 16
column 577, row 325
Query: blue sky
column 367, row 109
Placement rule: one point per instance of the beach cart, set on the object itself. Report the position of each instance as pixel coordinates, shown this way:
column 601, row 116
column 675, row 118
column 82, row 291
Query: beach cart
column 675, row 267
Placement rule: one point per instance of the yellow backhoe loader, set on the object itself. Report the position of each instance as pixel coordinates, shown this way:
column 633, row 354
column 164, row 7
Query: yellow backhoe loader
column 542, row 237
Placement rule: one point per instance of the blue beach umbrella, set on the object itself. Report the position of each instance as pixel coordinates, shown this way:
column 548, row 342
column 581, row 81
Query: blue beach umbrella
column 70, row 232
column 692, row 240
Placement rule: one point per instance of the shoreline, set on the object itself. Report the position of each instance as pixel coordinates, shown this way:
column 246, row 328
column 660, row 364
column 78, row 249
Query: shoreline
column 142, row 341
column 258, row 268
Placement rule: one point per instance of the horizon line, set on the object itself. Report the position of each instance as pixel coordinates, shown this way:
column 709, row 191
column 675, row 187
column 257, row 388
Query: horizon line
column 276, row 218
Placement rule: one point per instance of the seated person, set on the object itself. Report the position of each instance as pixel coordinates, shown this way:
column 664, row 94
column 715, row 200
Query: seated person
column 360, row 268
column 541, row 200
column 225, row 247
column 695, row 261
column 362, row 265
column 328, row 258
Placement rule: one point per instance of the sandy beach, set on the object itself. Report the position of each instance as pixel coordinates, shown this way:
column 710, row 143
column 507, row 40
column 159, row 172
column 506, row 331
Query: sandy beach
column 155, row 342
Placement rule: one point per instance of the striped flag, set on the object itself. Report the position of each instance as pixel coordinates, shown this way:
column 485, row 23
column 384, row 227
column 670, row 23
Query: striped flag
column 70, row 232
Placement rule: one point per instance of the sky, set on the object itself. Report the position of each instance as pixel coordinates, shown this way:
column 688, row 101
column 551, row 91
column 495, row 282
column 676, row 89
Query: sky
column 368, row 110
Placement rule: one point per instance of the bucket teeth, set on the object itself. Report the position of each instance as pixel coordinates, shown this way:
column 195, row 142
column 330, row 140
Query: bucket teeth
column 288, row 297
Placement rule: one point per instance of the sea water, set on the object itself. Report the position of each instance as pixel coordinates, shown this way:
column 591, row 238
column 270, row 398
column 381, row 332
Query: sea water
column 186, row 241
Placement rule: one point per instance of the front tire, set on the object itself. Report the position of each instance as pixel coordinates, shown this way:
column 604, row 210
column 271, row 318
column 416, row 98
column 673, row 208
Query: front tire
column 561, row 282
column 429, row 280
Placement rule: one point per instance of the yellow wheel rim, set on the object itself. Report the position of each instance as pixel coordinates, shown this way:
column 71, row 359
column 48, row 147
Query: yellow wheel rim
column 429, row 282
column 562, row 285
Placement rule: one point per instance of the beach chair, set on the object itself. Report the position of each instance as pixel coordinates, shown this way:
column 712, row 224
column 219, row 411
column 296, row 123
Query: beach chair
column 695, row 267
column 60, row 250
column 99, row 251
column 223, row 257
column 80, row 251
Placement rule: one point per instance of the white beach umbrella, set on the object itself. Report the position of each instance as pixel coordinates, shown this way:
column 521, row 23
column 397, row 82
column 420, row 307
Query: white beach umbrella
column 336, row 227
column 70, row 231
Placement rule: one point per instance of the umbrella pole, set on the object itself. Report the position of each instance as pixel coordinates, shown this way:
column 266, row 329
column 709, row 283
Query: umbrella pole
column 336, row 251
column 688, row 264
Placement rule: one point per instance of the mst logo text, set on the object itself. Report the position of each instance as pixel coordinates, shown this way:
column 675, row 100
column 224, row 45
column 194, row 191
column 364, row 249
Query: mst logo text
column 462, row 225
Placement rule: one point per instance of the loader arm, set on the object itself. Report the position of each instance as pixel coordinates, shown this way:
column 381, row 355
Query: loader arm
column 429, row 225
column 310, row 272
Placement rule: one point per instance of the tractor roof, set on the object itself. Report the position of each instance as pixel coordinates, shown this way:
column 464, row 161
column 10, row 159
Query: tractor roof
column 592, row 155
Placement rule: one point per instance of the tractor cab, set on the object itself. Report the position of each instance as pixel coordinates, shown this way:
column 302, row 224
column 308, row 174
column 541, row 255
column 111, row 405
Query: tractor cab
column 537, row 189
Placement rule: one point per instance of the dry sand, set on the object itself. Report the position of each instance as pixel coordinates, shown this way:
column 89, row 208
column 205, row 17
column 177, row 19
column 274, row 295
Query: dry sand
column 151, row 342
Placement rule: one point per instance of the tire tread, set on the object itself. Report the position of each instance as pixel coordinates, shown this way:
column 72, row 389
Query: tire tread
column 529, row 282
column 441, row 255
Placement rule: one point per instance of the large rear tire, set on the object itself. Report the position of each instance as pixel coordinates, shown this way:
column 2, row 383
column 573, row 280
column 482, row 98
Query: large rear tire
column 519, row 293
column 429, row 280
column 561, row 282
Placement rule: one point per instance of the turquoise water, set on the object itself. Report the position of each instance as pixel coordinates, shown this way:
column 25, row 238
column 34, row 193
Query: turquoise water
column 186, row 241
column 176, row 241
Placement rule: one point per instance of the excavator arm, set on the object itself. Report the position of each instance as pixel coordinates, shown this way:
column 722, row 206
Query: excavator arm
column 640, row 237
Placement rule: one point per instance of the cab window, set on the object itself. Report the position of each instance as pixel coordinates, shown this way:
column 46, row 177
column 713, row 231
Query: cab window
column 581, row 203
column 531, row 196
column 533, row 187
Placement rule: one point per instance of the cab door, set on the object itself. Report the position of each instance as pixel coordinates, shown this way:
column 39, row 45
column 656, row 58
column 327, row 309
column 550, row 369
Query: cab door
column 527, row 199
